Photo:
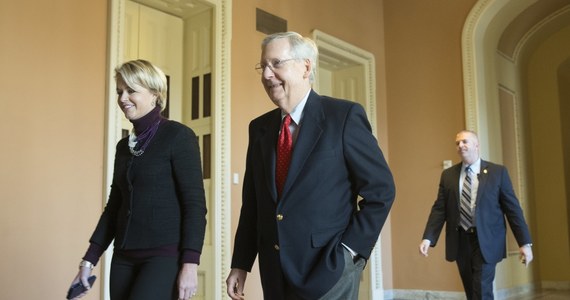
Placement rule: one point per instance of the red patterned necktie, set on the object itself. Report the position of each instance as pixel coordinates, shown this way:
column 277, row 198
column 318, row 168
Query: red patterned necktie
column 284, row 149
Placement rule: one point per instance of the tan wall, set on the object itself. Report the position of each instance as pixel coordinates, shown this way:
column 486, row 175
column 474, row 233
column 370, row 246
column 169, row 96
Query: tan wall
column 53, row 61
column 551, row 202
column 426, row 109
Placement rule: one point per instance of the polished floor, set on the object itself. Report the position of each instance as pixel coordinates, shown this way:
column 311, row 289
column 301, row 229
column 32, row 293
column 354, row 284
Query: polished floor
column 544, row 295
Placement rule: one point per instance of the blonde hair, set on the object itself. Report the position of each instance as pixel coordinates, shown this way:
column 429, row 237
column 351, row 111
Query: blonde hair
column 143, row 73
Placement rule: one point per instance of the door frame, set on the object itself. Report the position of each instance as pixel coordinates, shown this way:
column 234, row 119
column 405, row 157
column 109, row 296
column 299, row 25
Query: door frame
column 349, row 54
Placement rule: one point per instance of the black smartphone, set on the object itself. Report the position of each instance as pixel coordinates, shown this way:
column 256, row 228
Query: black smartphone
column 78, row 288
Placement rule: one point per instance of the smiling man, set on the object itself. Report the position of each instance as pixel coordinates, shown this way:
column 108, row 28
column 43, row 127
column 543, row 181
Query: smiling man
column 308, row 161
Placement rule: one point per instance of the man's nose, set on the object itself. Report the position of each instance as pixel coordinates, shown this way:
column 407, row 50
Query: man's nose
column 267, row 72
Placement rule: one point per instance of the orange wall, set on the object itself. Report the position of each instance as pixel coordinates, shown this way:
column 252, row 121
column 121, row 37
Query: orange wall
column 425, row 105
column 53, row 57
column 550, row 193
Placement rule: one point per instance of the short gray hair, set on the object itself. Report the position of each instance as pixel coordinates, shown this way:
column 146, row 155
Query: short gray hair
column 301, row 48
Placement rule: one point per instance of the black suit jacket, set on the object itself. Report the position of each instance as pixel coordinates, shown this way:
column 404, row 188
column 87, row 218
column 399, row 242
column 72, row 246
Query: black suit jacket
column 335, row 159
column 157, row 199
column 495, row 201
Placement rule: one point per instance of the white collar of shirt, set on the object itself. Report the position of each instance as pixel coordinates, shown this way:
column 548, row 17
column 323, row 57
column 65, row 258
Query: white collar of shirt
column 475, row 167
column 297, row 112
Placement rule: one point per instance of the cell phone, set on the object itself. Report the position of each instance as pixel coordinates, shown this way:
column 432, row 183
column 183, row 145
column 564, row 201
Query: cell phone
column 78, row 288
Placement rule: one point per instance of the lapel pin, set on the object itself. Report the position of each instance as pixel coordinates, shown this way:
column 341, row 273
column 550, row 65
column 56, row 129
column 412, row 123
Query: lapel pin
column 485, row 171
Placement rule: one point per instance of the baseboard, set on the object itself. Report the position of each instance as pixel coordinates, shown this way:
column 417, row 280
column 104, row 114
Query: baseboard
column 556, row 285
column 515, row 291
column 444, row 295
column 422, row 294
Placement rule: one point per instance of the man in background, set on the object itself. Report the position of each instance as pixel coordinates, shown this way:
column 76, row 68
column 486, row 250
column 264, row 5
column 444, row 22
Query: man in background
column 473, row 200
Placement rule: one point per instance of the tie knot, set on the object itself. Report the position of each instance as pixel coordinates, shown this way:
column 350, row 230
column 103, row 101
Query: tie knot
column 287, row 120
column 468, row 169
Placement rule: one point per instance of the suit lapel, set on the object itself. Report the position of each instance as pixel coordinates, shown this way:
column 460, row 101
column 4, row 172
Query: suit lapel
column 482, row 177
column 457, row 175
column 309, row 133
column 268, row 145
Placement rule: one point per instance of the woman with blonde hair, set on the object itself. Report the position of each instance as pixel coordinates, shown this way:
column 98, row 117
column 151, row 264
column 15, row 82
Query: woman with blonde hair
column 156, row 211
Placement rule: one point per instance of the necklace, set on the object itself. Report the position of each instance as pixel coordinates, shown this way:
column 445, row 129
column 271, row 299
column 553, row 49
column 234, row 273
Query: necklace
column 145, row 137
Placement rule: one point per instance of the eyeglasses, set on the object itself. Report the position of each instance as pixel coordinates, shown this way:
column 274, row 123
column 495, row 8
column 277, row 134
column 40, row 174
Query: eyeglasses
column 275, row 64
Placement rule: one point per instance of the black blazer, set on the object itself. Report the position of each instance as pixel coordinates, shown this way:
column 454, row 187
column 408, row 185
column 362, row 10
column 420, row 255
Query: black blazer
column 335, row 159
column 495, row 201
column 156, row 199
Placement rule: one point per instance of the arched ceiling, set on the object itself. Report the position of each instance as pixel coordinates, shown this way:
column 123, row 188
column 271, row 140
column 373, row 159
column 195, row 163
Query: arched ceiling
column 534, row 24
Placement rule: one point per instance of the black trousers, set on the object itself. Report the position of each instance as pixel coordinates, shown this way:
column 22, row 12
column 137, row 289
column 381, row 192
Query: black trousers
column 476, row 274
column 144, row 278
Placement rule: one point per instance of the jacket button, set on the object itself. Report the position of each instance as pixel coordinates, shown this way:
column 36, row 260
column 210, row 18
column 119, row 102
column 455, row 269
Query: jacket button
column 276, row 247
column 279, row 217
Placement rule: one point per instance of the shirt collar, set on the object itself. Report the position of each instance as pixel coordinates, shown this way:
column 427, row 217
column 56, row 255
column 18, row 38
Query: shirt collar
column 297, row 112
column 475, row 167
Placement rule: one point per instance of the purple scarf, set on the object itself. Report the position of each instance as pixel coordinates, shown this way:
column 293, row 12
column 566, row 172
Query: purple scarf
column 144, row 129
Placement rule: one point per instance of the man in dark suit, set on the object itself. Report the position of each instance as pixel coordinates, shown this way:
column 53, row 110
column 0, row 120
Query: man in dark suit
column 473, row 200
column 311, row 234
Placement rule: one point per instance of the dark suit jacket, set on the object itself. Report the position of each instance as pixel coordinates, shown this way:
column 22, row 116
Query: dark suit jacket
column 335, row 159
column 157, row 199
column 495, row 201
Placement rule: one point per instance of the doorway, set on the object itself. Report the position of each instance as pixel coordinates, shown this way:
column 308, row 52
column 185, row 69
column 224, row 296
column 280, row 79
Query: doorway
column 187, row 40
column 347, row 72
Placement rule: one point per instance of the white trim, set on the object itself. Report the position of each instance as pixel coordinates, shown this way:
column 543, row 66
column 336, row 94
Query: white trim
column 362, row 57
column 556, row 285
column 113, row 120
column 536, row 28
column 422, row 294
column 516, row 291
column 222, row 145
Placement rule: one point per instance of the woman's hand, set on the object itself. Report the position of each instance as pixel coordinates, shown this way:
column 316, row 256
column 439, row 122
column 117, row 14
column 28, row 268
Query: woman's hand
column 82, row 276
column 187, row 281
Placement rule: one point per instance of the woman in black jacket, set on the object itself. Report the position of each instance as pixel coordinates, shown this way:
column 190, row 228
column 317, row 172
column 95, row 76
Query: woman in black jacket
column 156, row 212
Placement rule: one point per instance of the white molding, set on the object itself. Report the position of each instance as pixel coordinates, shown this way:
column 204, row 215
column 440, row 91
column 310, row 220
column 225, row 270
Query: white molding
column 222, row 145
column 517, row 291
column 423, row 294
column 536, row 28
column 556, row 285
column 362, row 57
column 470, row 49
column 113, row 120
column 431, row 294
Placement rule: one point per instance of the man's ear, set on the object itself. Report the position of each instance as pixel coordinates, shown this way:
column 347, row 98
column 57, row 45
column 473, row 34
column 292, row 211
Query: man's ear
column 308, row 68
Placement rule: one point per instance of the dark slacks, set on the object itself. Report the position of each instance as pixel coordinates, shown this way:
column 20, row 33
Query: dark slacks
column 347, row 286
column 476, row 274
column 143, row 278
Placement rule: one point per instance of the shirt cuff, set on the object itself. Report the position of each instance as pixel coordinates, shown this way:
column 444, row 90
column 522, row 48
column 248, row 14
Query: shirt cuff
column 352, row 252
column 190, row 256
